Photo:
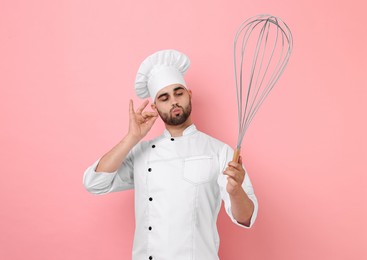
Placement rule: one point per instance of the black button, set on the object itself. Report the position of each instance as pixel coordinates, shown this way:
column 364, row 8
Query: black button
column 150, row 199
column 150, row 169
column 150, row 228
column 153, row 146
column 172, row 139
column 150, row 257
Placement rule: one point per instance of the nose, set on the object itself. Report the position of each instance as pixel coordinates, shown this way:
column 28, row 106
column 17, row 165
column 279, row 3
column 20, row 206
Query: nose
column 174, row 102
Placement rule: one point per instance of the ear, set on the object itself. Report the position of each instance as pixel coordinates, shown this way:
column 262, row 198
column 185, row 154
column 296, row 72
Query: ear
column 153, row 106
column 190, row 92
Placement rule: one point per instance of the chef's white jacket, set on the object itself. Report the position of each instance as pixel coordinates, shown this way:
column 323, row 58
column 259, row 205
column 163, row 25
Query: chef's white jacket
column 179, row 185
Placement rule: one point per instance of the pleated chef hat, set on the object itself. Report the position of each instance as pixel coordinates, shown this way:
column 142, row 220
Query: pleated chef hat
column 160, row 70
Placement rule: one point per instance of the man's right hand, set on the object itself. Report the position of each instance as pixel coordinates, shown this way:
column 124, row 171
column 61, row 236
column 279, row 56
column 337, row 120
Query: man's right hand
column 140, row 122
column 139, row 125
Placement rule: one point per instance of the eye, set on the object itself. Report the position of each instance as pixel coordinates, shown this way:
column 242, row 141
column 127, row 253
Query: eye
column 163, row 99
column 179, row 93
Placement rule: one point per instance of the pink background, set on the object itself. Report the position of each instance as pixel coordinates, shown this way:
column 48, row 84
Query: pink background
column 66, row 74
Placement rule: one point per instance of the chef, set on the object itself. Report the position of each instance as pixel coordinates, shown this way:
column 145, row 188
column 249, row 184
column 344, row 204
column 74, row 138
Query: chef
column 180, row 178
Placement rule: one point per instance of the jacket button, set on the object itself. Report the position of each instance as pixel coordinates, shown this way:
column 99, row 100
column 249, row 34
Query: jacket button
column 150, row 257
column 153, row 146
column 150, row 228
column 172, row 139
column 150, row 199
column 150, row 169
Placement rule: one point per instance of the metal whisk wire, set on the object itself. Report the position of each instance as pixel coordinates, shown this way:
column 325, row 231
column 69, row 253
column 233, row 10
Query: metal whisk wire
column 269, row 41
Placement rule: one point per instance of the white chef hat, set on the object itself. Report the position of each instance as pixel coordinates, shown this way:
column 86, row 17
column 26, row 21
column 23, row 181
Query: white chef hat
column 160, row 70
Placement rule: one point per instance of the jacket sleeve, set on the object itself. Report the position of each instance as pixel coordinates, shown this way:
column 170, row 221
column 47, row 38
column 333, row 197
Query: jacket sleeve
column 106, row 182
column 225, row 157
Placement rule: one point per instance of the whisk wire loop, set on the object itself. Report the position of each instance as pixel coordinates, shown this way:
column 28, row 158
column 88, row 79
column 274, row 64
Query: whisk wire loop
column 262, row 47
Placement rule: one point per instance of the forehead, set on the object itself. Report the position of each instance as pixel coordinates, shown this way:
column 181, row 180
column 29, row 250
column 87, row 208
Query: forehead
column 169, row 89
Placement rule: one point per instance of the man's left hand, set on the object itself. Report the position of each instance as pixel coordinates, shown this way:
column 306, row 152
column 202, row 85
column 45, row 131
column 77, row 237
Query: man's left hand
column 236, row 175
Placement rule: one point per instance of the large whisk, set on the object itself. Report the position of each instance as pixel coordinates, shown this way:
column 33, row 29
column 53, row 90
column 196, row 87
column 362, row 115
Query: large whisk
column 262, row 47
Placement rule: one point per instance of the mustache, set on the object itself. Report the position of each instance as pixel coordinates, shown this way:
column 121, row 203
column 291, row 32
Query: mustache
column 176, row 106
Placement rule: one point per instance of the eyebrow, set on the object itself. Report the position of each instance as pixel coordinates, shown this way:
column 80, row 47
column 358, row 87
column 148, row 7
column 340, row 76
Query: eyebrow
column 166, row 94
column 178, row 88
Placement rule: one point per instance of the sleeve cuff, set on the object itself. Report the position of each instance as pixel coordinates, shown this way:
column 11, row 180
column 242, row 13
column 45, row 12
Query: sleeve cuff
column 97, row 182
column 253, row 217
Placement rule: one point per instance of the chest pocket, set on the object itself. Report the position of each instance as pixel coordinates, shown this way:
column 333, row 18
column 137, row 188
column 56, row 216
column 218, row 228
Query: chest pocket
column 198, row 169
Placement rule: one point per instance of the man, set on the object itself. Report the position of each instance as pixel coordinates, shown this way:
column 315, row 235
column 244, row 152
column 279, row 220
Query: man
column 180, row 177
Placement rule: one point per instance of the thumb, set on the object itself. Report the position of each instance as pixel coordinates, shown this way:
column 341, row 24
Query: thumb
column 151, row 120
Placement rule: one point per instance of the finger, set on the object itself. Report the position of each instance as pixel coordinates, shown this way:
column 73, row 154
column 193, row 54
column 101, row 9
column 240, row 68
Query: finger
column 142, row 106
column 151, row 121
column 240, row 160
column 235, row 165
column 232, row 182
column 235, row 174
column 149, row 114
column 131, row 108
column 229, row 172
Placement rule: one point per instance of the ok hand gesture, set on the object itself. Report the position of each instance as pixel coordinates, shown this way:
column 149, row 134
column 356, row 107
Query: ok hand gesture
column 140, row 122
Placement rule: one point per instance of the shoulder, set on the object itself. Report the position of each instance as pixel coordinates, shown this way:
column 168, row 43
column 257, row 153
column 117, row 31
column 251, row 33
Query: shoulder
column 222, row 151
column 220, row 145
column 144, row 145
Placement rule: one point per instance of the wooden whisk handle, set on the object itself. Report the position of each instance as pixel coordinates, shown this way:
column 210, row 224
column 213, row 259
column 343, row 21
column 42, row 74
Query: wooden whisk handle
column 236, row 155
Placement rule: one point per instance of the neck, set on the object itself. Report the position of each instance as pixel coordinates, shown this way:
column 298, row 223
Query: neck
column 177, row 130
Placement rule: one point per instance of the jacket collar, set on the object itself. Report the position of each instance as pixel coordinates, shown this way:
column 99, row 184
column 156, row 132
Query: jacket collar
column 189, row 130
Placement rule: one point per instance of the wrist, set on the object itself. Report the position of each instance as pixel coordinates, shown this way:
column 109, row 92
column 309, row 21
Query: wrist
column 132, row 139
column 238, row 193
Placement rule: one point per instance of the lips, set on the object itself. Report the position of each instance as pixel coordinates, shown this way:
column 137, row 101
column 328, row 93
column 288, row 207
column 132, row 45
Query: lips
column 176, row 110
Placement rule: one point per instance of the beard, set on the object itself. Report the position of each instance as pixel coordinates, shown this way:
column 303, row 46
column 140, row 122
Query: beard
column 170, row 119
